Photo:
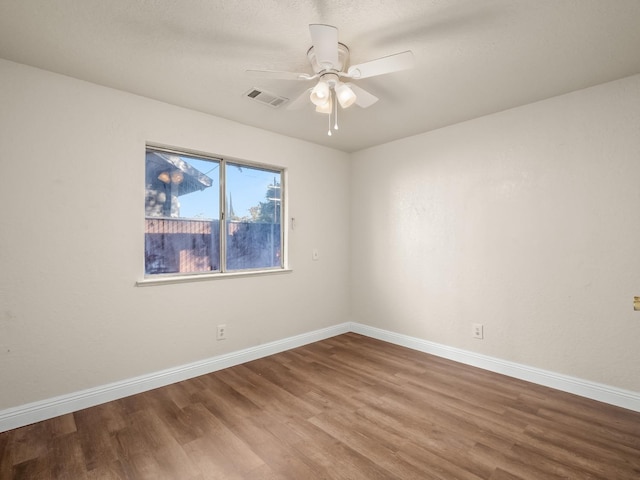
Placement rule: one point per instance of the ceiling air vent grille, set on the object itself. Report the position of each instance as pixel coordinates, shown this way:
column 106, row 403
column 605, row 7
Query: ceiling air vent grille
column 265, row 97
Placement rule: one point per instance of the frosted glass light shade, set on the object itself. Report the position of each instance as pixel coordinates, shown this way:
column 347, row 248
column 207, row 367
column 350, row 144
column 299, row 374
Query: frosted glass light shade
column 326, row 107
column 320, row 93
column 345, row 95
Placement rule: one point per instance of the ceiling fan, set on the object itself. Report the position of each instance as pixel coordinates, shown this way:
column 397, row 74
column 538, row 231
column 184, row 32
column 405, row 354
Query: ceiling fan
column 329, row 60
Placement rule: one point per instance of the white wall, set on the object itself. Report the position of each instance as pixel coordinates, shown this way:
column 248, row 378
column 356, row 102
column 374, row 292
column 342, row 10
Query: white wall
column 526, row 221
column 71, row 241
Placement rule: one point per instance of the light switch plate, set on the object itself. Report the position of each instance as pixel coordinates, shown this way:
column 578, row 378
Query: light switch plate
column 636, row 303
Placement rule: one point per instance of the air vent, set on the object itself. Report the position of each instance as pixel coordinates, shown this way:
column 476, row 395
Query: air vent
column 266, row 98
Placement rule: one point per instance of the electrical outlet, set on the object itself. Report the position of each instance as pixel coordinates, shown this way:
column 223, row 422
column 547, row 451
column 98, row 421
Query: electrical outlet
column 478, row 330
column 222, row 332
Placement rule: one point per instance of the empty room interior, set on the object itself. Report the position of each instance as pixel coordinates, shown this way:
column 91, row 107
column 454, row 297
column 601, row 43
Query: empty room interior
column 313, row 239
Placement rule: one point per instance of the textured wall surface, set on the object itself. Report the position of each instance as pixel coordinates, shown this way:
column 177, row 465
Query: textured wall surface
column 72, row 241
column 525, row 221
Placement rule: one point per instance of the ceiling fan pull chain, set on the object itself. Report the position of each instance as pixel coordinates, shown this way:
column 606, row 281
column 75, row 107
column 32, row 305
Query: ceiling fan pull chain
column 330, row 102
column 329, row 131
column 335, row 107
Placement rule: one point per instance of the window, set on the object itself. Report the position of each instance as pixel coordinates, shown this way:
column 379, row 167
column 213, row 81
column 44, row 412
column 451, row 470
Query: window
column 210, row 215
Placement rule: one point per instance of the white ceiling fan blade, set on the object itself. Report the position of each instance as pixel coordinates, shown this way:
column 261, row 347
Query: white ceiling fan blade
column 325, row 44
column 392, row 63
column 364, row 99
column 300, row 101
column 278, row 75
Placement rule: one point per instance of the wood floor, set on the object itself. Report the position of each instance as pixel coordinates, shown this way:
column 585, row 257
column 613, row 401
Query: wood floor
column 349, row 407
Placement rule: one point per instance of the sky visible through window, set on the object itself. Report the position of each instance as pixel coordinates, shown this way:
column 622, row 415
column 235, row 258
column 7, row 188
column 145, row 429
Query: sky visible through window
column 246, row 187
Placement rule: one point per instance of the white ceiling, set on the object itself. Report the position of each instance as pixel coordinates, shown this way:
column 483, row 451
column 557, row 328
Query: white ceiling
column 473, row 57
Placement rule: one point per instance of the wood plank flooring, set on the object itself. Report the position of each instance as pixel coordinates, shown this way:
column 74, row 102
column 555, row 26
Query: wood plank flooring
column 349, row 407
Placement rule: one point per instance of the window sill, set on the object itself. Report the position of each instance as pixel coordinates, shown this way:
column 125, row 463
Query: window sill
column 150, row 281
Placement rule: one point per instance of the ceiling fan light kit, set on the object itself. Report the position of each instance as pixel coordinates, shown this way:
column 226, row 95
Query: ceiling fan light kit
column 345, row 95
column 329, row 60
column 320, row 93
column 326, row 107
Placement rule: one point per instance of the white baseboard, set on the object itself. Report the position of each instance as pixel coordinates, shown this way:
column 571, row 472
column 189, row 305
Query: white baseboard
column 595, row 391
column 53, row 407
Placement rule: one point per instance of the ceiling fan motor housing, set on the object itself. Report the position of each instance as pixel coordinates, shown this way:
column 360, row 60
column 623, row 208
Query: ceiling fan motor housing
column 343, row 60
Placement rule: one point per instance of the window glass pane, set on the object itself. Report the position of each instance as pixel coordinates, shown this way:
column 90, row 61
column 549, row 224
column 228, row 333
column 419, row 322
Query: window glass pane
column 182, row 220
column 254, row 206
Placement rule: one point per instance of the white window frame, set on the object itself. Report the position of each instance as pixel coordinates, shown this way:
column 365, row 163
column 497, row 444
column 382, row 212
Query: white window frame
column 167, row 278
